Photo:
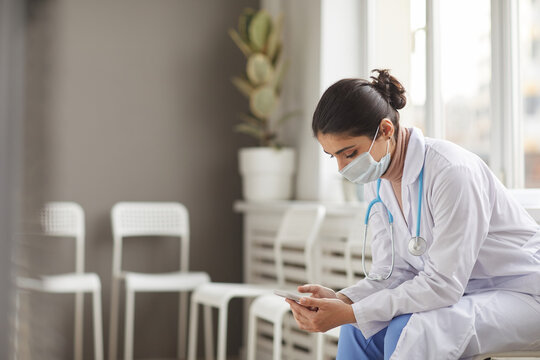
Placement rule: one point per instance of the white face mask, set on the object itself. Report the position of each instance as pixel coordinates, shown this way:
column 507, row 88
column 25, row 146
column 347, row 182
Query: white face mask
column 364, row 169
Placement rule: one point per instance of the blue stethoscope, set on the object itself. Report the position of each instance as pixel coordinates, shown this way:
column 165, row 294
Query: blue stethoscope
column 417, row 245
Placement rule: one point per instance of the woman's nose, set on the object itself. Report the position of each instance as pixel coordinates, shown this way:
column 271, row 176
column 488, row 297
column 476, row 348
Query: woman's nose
column 342, row 163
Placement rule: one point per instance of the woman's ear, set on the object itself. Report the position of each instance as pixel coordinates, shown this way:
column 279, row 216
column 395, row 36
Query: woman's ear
column 387, row 128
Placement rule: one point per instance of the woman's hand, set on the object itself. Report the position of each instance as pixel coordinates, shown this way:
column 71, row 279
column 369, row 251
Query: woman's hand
column 330, row 313
column 317, row 291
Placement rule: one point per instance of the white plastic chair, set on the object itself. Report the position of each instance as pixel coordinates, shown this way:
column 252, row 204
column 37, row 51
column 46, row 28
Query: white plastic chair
column 354, row 240
column 299, row 229
column 530, row 200
column 321, row 341
column 301, row 223
column 135, row 219
column 513, row 354
column 66, row 219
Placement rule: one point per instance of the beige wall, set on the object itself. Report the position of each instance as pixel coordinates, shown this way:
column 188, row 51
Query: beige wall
column 131, row 100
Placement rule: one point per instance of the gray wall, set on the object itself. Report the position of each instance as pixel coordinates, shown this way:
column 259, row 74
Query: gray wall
column 130, row 100
column 11, row 91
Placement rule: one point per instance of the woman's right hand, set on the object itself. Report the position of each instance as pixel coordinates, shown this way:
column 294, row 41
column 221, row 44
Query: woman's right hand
column 318, row 291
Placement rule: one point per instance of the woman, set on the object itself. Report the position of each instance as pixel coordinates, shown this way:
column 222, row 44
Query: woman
column 473, row 285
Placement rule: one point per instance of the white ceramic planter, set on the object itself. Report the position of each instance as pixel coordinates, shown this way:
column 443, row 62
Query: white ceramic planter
column 267, row 173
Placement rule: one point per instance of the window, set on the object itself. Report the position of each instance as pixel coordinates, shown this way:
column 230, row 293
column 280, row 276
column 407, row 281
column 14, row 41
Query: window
column 530, row 88
column 471, row 71
column 465, row 48
column 416, row 99
column 400, row 45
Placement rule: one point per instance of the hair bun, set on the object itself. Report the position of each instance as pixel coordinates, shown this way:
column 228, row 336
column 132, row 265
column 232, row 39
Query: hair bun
column 390, row 88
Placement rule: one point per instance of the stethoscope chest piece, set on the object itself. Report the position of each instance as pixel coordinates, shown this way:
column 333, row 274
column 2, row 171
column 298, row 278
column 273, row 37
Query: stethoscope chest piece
column 417, row 246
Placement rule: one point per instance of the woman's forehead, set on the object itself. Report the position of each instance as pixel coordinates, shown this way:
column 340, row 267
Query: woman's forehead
column 332, row 143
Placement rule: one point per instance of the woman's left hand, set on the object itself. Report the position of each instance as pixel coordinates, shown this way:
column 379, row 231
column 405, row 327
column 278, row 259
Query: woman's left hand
column 330, row 313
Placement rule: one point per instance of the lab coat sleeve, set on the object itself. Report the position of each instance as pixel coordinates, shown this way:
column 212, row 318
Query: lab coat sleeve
column 381, row 257
column 460, row 208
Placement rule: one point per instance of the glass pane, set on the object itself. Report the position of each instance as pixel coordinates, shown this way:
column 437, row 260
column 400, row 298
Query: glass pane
column 400, row 45
column 466, row 73
column 530, row 82
column 416, row 98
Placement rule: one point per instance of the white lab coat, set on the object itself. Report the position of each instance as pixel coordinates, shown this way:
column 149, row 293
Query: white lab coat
column 477, row 287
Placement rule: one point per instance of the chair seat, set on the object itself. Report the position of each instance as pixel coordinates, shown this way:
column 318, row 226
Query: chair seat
column 510, row 354
column 269, row 307
column 219, row 294
column 64, row 283
column 334, row 333
column 174, row 281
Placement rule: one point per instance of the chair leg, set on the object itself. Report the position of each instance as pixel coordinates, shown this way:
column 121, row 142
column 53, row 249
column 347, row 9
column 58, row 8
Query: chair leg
column 98, row 325
column 193, row 329
column 277, row 339
column 320, row 346
column 128, row 328
column 78, row 337
column 286, row 334
column 245, row 322
column 222, row 332
column 209, row 333
column 182, row 324
column 16, row 329
column 113, row 319
column 252, row 336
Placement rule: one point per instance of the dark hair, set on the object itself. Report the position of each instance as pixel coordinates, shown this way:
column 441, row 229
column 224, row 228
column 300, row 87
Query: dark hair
column 356, row 107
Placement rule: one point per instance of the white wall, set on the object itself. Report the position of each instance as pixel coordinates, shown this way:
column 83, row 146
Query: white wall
column 323, row 46
column 341, row 57
column 301, row 90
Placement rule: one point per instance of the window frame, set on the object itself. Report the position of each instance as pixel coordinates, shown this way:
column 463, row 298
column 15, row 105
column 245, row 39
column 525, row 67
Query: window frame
column 506, row 97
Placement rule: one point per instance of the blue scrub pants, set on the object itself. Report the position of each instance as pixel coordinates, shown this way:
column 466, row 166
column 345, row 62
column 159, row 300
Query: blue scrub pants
column 353, row 346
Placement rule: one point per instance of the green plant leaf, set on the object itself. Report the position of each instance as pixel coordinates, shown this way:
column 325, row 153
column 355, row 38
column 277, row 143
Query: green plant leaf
column 250, row 119
column 259, row 39
column 258, row 30
column 262, row 101
column 270, row 140
column 243, row 23
column 277, row 80
column 286, row 117
column 250, row 130
column 259, row 69
column 243, row 46
column 243, row 86
column 274, row 38
column 277, row 55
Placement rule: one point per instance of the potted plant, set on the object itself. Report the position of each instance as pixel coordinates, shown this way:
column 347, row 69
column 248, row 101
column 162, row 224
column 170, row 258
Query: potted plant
column 267, row 170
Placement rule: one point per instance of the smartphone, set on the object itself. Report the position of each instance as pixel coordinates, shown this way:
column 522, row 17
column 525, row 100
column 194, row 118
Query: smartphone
column 293, row 297
column 288, row 295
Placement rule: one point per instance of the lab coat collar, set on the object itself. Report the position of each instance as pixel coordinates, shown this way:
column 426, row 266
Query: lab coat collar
column 414, row 159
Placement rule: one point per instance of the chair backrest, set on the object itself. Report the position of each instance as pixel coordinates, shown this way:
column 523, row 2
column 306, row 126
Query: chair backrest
column 354, row 241
column 136, row 219
column 65, row 219
column 530, row 200
column 293, row 248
